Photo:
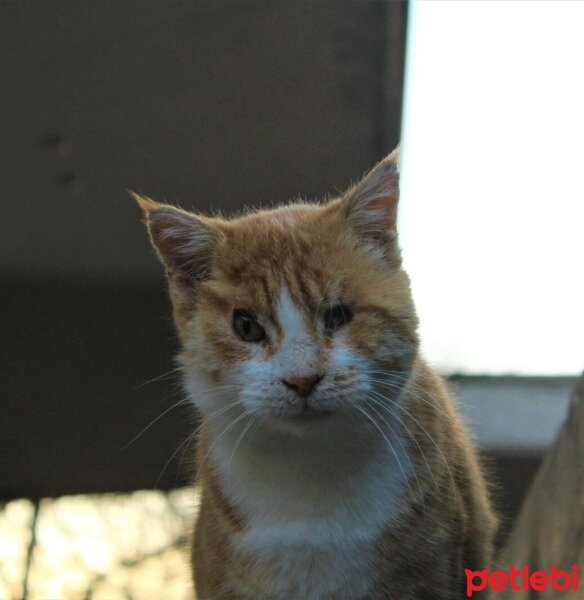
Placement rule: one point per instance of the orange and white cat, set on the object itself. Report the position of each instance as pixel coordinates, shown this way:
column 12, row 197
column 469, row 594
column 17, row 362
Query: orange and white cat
column 331, row 460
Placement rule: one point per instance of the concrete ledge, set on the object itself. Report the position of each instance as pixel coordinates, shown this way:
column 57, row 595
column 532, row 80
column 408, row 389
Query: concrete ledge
column 514, row 415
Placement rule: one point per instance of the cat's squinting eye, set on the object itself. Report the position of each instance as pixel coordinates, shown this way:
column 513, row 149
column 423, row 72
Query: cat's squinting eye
column 247, row 327
column 336, row 316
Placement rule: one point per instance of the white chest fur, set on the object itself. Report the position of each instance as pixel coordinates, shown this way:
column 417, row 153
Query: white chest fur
column 312, row 513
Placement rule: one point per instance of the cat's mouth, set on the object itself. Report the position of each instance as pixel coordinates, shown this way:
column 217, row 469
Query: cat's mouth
column 310, row 413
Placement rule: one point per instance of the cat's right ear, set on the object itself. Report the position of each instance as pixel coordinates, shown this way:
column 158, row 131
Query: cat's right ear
column 371, row 205
column 184, row 241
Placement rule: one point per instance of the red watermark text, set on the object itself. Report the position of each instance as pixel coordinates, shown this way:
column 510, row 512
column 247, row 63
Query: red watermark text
column 521, row 580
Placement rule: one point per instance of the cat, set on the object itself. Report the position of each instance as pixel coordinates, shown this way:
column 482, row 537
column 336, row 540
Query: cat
column 331, row 460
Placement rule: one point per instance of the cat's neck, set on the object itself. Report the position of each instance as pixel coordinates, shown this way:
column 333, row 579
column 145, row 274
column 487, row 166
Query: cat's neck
column 277, row 476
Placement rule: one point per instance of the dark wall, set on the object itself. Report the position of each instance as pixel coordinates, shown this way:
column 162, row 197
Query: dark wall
column 214, row 104
column 210, row 103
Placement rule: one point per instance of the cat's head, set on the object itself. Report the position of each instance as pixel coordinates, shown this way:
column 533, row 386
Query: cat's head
column 291, row 314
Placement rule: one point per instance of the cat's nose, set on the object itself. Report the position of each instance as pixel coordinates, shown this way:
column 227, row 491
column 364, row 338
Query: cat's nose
column 303, row 386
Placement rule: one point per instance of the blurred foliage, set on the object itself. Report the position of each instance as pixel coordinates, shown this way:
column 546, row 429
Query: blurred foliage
column 97, row 547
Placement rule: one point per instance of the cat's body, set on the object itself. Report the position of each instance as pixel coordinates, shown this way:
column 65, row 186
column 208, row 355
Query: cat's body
column 331, row 461
column 352, row 528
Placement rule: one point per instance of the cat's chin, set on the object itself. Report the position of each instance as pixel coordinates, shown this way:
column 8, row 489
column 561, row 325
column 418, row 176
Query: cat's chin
column 306, row 422
column 308, row 415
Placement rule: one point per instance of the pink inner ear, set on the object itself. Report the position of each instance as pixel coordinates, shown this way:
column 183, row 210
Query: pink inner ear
column 373, row 204
column 386, row 207
column 169, row 232
column 183, row 242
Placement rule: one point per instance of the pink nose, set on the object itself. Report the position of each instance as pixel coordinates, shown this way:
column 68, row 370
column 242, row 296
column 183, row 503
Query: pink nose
column 303, row 386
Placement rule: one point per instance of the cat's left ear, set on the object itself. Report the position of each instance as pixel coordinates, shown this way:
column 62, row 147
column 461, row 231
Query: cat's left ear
column 371, row 205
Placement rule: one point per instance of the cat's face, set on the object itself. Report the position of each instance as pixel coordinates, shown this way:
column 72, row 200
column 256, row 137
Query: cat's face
column 291, row 315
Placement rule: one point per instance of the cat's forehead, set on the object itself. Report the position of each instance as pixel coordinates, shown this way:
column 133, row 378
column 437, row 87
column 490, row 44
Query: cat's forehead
column 289, row 244
column 274, row 286
column 285, row 255
column 300, row 256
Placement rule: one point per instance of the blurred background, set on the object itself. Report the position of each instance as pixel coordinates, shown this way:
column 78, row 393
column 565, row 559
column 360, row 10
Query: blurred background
column 221, row 104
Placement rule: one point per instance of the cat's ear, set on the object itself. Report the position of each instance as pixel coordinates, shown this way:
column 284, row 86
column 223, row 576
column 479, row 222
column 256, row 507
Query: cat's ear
column 184, row 241
column 371, row 205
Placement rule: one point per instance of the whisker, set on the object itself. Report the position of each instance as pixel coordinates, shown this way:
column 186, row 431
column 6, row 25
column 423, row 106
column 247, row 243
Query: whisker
column 189, row 438
column 365, row 414
column 417, row 392
column 215, row 414
column 192, row 438
column 207, row 419
column 412, row 436
column 408, row 414
column 239, row 440
column 160, row 377
column 177, row 404
column 401, row 444
column 216, row 440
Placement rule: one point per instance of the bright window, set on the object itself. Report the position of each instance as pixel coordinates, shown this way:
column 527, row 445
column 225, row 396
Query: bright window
column 492, row 209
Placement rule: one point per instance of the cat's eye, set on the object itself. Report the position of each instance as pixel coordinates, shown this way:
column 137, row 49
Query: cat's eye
column 247, row 327
column 336, row 316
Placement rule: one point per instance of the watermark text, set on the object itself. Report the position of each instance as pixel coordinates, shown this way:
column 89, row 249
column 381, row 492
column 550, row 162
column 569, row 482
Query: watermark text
column 522, row 579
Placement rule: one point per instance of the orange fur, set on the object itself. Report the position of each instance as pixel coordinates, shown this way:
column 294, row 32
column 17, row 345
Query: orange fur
column 422, row 515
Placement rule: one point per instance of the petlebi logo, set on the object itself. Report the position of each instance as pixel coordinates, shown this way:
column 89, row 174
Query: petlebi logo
column 522, row 579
